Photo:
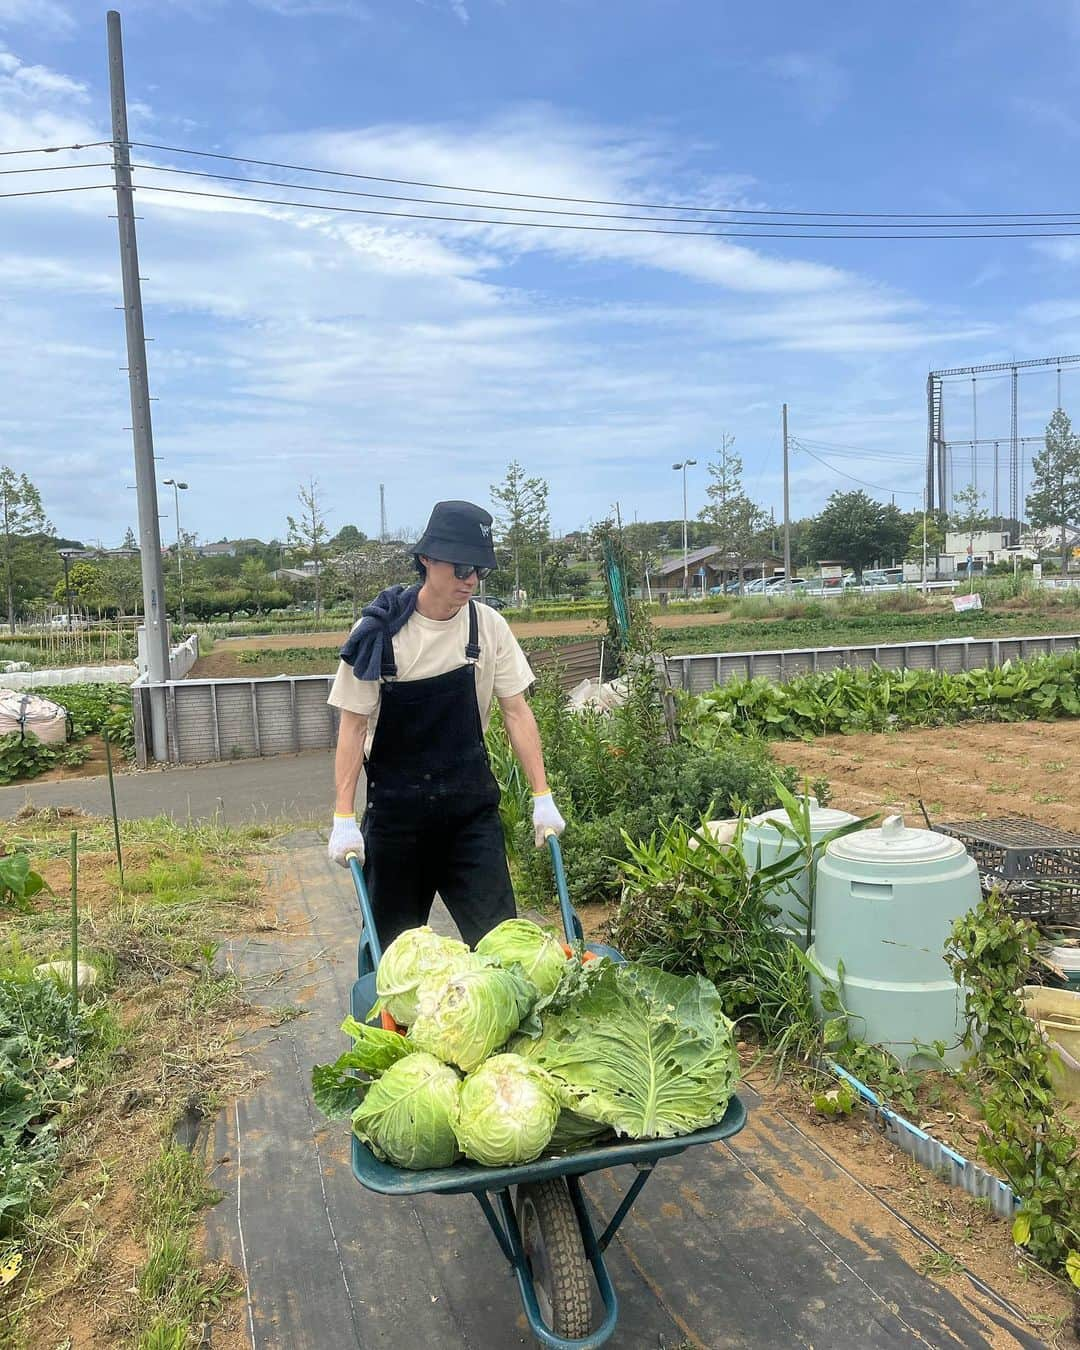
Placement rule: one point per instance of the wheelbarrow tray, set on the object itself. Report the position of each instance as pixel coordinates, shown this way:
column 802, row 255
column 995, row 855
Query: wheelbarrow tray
column 465, row 1178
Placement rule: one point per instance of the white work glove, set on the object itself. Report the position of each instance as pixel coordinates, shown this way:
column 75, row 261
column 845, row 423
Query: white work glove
column 345, row 838
column 545, row 817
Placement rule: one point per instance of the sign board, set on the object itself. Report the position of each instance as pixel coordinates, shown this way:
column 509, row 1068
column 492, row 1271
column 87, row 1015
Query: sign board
column 962, row 602
column 832, row 571
column 1036, row 571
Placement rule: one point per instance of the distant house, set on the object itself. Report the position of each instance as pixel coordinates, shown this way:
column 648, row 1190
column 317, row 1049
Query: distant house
column 708, row 567
column 305, row 572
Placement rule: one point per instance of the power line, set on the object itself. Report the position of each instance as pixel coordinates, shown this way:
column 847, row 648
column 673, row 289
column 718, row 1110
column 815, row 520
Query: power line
column 51, row 192
column 877, row 487
column 54, row 149
column 597, row 201
column 60, row 168
column 528, row 210
column 556, row 225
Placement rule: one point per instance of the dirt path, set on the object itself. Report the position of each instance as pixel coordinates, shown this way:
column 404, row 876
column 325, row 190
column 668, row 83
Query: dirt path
column 964, row 772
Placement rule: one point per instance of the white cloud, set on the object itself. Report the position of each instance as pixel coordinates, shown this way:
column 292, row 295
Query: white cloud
column 420, row 351
column 48, row 15
column 818, row 81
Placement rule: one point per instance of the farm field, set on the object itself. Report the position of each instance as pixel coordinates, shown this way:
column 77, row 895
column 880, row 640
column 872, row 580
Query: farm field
column 311, row 653
column 960, row 772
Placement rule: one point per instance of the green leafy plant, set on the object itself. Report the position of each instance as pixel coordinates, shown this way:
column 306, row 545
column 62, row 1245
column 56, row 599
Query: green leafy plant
column 840, row 1100
column 1027, row 1137
column 19, row 883
column 848, row 700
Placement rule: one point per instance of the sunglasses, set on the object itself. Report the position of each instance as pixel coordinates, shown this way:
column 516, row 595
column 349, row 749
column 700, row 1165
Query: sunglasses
column 463, row 571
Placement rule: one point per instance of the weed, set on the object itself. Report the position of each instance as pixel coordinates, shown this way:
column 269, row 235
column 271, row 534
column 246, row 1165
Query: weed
column 939, row 1263
column 172, row 1288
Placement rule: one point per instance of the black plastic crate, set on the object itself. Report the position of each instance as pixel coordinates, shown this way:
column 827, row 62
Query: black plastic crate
column 1037, row 867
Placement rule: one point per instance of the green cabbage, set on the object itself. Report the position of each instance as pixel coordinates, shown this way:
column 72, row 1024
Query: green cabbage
column 417, row 957
column 648, row 1053
column 335, row 1087
column 407, row 1116
column 472, row 1015
column 506, row 1112
column 538, row 954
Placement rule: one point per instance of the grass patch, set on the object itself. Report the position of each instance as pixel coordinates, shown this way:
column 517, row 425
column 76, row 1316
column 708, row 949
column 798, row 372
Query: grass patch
column 174, row 1291
column 829, row 627
column 116, row 1196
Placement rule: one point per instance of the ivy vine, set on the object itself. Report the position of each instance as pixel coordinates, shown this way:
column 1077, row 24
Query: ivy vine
column 1026, row 1139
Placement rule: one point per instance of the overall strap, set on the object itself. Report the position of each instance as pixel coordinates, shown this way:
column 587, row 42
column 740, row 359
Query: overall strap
column 472, row 647
column 388, row 668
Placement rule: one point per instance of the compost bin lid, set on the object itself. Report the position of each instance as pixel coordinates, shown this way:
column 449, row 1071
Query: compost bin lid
column 895, row 842
column 823, row 818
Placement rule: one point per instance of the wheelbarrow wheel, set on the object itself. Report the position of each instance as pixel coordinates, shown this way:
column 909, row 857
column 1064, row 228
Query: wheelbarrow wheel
column 552, row 1242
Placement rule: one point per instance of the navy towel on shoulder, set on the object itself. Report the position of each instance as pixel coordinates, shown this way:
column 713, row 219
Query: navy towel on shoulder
column 368, row 648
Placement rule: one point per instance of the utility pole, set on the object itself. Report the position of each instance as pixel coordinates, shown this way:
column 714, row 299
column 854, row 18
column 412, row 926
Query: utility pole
column 787, row 514
column 155, row 622
column 382, row 513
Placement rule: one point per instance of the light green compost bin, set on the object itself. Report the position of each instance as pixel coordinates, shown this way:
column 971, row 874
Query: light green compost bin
column 886, row 900
column 763, row 844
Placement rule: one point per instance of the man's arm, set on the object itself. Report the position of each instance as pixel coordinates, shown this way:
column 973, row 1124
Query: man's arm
column 525, row 739
column 349, row 760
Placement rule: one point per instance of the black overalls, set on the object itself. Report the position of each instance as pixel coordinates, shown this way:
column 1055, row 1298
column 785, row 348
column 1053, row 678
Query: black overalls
column 432, row 819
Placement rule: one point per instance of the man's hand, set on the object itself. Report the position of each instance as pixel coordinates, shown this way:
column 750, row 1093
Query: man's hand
column 545, row 817
column 345, row 838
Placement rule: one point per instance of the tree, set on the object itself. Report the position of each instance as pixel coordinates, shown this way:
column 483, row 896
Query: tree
column 522, row 522
column 935, row 537
column 129, row 539
column 122, row 584
column 347, row 537
column 1054, row 499
column 735, row 520
column 969, row 517
column 256, row 580
column 853, row 528
column 21, row 516
column 367, row 569
column 87, row 583
column 309, row 535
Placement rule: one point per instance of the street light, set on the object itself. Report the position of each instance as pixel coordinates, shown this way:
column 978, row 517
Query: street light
column 684, row 465
column 177, row 488
column 66, row 555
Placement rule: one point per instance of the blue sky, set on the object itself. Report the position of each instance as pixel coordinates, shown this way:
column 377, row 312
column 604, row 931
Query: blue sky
column 425, row 355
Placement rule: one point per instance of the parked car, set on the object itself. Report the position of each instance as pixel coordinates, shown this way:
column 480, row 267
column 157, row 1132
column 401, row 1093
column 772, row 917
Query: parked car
column 65, row 621
column 493, row 600
column 777, row 584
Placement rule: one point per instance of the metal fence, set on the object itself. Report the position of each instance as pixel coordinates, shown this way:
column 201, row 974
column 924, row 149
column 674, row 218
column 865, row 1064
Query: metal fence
column 239, row 719
column 699, row 673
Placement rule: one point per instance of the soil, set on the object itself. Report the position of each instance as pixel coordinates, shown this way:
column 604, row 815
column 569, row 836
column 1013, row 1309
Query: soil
column 173, row 1063
column 971, row 1237
column 92, row 768
column 968, row 772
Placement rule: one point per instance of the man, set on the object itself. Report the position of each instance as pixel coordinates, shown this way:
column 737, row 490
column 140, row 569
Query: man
column 415, row 687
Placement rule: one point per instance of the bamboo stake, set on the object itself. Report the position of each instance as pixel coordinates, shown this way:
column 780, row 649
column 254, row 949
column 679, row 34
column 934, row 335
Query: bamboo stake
column 74, row 923
column 112, row 799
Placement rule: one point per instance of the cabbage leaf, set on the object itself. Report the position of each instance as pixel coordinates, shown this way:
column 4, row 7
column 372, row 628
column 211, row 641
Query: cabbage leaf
column 649, row 1054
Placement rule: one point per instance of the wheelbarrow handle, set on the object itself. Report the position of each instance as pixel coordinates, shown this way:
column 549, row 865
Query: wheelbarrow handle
column 571, row 922
column 370, row 933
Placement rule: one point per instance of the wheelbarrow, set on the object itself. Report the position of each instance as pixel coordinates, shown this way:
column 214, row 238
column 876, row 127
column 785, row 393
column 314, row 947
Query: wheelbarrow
column 546, row 1231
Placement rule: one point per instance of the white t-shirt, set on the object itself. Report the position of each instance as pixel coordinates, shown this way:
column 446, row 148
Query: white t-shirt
column 428, row 647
